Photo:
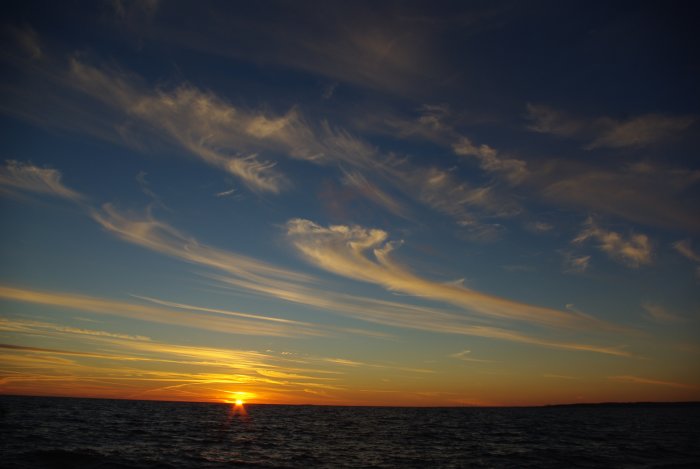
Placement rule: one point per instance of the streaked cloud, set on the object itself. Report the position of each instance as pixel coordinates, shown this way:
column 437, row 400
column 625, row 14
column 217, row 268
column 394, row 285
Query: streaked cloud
column 556, row 376
column 147, row 231
column 645, row 193
column 248, row 325
column 377, row 48
column 686, row 250
column 656, row 382
column 638, row 131
column 26, row 177
column 607, row 132
column 235, row 140
column 466, row 203
column 27, row 40
column 225, row 193
column 26, row 326
column 249, row 274
column 576, row 264
column 465, row 356
column 365, row 255
column 539, row 227
column 660, row 314
column 127, row 11
column 375, row 193
column 199, row 122
column 404, row 315
column 634, row 250
column 514, row 170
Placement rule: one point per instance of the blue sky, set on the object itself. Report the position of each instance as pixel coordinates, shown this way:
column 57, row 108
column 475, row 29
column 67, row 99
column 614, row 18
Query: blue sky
column 410, row 202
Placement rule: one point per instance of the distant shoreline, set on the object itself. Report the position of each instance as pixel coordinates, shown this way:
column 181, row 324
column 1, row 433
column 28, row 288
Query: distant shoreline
column 543, row 406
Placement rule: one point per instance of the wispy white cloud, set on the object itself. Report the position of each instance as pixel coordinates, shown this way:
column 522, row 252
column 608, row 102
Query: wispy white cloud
column 655, row 382
column 556, row 376
column 40, row 327
column 404, row 315
column 463, row 202
column 375, row 193
column 248, row 324
column 539, row 227
column 465, row 356
column 233, row 138
column 365, row 255
column 607, row 132
column 329, row 90
column 547, row 120
column 208, row 126
column 575, row 264
column 686, row 250
column 126, row 10
column 26, row 177
column 645, row 193
column 660, row 314
column 638, row 131
column 634, row 250
column 225, row 193
column 27, row 40
column 514, row 170
column 147, row 231
column 201, row 123
column 146, row 189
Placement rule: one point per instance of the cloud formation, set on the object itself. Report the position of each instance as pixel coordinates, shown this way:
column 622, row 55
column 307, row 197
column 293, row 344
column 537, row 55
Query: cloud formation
column 201, row 123
column 660, row 314
column 27, row 39
column 644, row 193
column 514, row 170
column 655, row 382
column 231, row 323
column 262, row 278
column 576, row 264
column 686, row 250
column 26, row 177
column 607, row 132
column 634, row 250
column 374, row 193
column 365, row 255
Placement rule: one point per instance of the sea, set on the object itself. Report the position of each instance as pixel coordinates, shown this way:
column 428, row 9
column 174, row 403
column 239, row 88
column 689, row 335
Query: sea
column 48, row 432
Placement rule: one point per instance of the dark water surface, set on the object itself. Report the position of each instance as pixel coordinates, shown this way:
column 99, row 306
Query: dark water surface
column 91, row 433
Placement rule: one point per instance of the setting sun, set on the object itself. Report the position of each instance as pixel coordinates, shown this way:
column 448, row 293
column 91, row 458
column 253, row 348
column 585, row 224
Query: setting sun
column 239, row 402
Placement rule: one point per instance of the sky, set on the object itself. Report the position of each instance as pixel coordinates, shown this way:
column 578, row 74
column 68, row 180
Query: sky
column 357, row 203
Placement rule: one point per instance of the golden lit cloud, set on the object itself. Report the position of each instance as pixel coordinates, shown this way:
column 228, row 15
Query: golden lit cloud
column 365, row 254
column 158, row 236
column 213, row 322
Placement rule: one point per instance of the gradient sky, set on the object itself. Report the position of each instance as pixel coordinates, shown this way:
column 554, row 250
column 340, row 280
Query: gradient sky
column 405, row 203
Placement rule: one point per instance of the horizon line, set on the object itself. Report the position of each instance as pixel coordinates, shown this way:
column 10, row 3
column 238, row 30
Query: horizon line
column 570, row 404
